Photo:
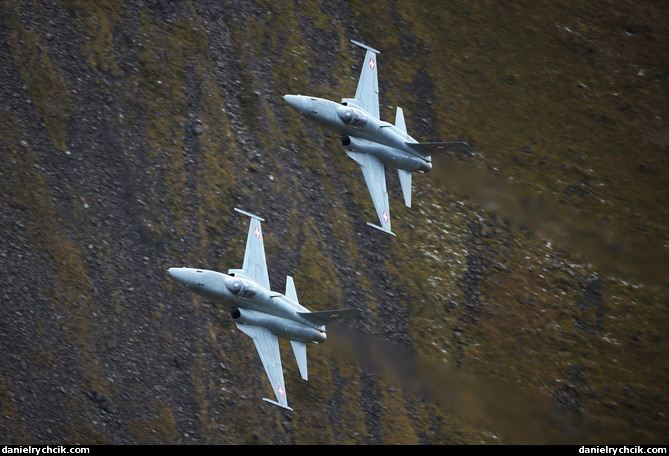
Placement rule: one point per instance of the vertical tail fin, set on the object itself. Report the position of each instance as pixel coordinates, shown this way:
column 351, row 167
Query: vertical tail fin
column 291, row 292
column 399, row 120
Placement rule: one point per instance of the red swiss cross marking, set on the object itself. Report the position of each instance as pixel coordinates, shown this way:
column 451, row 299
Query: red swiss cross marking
column 385, row 216
column 372, row 64
column 440, row 147
column 281, row 392
column 257, row 232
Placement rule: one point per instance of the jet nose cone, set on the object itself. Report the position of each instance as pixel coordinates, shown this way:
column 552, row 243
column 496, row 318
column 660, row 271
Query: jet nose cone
column 295, row 102
column 179, row 274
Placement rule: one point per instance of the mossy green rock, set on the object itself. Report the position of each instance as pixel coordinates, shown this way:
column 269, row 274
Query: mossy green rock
column 524, row 299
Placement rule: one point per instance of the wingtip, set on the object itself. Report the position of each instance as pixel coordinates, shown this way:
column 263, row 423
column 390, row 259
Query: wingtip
column 363, row 45
column 276, row 403
column 249, row 214
column 381, row 229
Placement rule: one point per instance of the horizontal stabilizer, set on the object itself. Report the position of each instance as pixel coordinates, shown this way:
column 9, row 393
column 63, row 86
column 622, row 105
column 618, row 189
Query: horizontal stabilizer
column 276, row 403
column 300, row 351
column 435, row 147
column 329, row 316
column 381, row 229
column 405, row 183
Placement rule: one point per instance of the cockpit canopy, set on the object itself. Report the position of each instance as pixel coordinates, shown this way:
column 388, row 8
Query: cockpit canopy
column 241, row 288
column 352, row 117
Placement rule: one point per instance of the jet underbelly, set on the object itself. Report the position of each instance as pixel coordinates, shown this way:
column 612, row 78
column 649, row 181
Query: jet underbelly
column 398, row 159
column 387, row 155
column 249, row 296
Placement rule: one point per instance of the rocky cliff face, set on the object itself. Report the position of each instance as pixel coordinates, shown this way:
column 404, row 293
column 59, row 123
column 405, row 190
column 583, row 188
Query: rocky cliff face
column 523, row 300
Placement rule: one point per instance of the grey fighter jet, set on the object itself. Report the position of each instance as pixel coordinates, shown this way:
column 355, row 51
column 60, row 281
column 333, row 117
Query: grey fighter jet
column 262, row 314
column 371, row 142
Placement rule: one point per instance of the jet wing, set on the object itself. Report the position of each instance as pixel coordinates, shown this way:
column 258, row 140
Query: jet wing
column 267, row 345
column 374, row 173
column 367, row 93
column 255, row 264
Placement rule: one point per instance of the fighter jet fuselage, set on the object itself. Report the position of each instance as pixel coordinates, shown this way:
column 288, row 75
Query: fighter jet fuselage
column 371, row 142
column 251, row 304
column 362, row 132
column 259, row 312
